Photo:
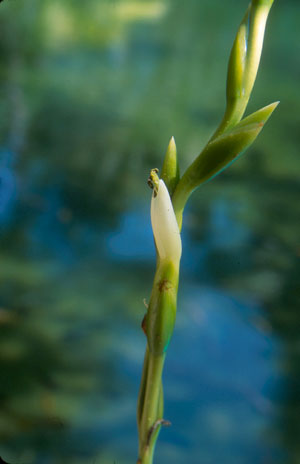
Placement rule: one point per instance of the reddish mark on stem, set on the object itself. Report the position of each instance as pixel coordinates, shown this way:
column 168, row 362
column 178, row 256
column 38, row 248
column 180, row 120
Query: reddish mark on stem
column 143, row 324
column 164, row 285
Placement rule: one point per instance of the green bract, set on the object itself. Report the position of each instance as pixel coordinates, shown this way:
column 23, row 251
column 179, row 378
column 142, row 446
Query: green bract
column 219, row 154
column 170, row 169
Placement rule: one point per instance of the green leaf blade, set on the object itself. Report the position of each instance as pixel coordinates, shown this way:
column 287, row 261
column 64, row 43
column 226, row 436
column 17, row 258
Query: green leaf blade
column 220, row 153
column 261, row 116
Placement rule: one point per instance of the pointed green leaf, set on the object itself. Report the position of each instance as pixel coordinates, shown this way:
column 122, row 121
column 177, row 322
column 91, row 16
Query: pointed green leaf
column 261, row 116
column 219, row 154
column 170, row 169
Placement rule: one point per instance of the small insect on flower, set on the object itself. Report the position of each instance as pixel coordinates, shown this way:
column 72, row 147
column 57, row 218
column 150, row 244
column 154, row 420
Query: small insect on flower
column 153, row 180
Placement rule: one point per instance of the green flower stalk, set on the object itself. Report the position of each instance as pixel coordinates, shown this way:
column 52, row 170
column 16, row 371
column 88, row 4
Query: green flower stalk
column 159, row 321
column 169, row 197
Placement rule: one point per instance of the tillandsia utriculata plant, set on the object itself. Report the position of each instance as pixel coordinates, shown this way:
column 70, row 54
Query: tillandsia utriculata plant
column 169, row 197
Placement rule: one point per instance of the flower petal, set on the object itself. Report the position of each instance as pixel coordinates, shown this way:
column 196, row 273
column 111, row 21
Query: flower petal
column 164, row 224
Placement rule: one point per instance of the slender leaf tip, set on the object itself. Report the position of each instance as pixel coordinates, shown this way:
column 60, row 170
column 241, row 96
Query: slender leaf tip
column 260, row 116
column 170, row 168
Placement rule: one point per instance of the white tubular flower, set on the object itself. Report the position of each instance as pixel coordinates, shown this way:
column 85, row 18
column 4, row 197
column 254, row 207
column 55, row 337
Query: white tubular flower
column 164, row 224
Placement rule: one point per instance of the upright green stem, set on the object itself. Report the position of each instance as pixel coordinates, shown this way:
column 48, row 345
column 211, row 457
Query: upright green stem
column 158, row 325
column 142, row 390
column 151, row 417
